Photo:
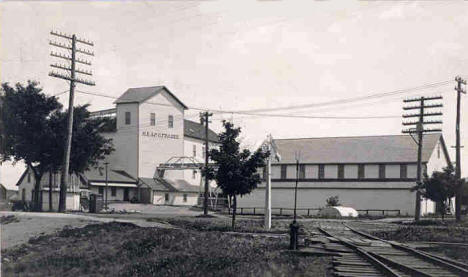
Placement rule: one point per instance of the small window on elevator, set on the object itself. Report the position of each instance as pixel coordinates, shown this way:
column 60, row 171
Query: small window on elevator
column 170, row 122
column 152, row 119
column 128, row 119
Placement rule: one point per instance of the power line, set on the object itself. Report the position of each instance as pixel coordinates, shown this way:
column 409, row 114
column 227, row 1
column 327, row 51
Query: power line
column 348, row 100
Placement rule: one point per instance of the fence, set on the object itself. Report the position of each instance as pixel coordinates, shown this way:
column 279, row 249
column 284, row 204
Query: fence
column 309, row 211
column 214, row 203
column 275, row 211
column 374, row 212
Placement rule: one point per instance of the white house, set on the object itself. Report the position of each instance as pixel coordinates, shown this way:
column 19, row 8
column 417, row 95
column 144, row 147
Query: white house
column 371, row 172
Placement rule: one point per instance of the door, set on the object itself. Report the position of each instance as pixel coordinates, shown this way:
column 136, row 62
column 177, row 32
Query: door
column 125, row 198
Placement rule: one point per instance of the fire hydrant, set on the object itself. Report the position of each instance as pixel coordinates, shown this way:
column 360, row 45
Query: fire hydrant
column 293, row 235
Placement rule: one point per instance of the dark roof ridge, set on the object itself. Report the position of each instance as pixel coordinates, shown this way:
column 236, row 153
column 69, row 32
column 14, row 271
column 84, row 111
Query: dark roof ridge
column 438, row 133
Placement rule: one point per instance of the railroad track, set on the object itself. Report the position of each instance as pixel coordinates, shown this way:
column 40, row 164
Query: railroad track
column 363, row 255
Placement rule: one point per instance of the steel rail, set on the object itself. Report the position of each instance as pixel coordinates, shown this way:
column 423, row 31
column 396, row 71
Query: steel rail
column 381, row 266
column 454, row 266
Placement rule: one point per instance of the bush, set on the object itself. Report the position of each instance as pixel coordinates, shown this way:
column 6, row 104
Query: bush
column 333, row 201
column 20, row 205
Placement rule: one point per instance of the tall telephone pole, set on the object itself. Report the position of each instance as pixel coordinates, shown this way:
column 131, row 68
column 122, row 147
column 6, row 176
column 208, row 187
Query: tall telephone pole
column 269, row 146
column 419, row 130
column 69, row 74
column 459, row 192
column 205, row 118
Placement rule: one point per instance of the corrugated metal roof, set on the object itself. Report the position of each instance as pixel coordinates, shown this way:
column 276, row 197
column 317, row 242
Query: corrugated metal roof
column 367, row 149
column 99, row 175
column 181, row 185
column 196, row 130
column 157, row 184
column 140, row 95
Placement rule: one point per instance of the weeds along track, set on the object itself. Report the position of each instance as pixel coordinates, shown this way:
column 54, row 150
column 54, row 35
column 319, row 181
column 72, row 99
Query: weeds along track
column 363, row 255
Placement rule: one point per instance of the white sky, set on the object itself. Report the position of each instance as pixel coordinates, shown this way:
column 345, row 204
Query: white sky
column 241, row 55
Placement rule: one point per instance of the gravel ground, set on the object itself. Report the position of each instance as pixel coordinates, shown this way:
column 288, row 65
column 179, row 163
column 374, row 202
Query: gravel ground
column 16, row 233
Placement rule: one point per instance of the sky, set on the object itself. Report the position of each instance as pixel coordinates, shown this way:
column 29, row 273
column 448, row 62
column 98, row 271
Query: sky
column 246, row 55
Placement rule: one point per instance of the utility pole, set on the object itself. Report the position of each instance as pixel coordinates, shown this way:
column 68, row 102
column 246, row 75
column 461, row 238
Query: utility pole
column 420, row 131
column 205, row 118
column 269, row 146
column 71, row 46
column 294, row 226
column 50, row 190
column 106, row 164
column 459, row 192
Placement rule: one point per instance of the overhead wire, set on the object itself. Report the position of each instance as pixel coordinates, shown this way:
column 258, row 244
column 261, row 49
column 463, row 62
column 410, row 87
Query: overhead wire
column 253, row 113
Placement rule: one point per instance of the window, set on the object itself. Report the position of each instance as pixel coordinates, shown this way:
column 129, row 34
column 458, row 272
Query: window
column 194, row 174
column 23, row 194
column 438, row 151
column 153, row 119
column 265, row 173
column 302, row 171
column 166, row 196
column 128, row 119
column 113, row 191
column 203, row 151
column 321, row 173
column 403, row 171
column 283, row 171
column 170, row 122
column 194, row 150
column 361, row 171
column 185, row 197
column 29, row 176
column 101, row 190
column 341, row 171
column 381, row 171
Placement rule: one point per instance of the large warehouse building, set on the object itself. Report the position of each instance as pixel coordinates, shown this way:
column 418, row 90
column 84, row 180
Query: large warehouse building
column 373, row 172
column 150, row 130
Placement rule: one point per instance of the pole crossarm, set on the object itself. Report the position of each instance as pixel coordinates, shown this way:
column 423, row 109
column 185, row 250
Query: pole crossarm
column 425, row 122
column 64, row 67
column 68, row 58
column 412, row 131
column 68, row 78
column 426, row 114
column 66, row 36
column 425, row 107
column 424, row 98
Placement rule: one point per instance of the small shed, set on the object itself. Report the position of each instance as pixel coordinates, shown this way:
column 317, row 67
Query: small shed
column 338, row 212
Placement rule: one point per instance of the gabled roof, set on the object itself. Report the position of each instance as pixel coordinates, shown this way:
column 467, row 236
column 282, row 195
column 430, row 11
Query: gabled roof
column 114, row 176
column 140, row 95
column 196, row 130
column 180, row 185
column 366, row 149
column 157, row 184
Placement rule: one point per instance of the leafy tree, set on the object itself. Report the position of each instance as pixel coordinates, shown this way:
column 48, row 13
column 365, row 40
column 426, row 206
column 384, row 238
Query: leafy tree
column 333, row 201
column 35, row 132
column 88, row 145
column 237, row 170
column 440, row 187
column 27, row 133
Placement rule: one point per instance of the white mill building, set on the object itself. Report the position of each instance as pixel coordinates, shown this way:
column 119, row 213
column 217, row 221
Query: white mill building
column 150, row 130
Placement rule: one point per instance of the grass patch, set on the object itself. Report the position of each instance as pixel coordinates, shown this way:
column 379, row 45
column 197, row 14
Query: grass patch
column 425, row 233
column 244, row 225
column 429, row 232
column 8, row 219
column 117, row 249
